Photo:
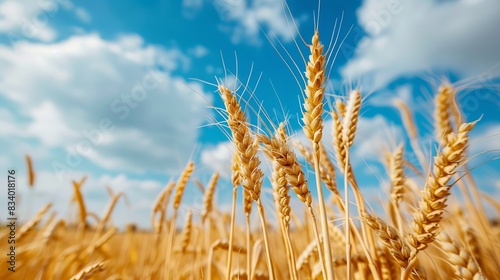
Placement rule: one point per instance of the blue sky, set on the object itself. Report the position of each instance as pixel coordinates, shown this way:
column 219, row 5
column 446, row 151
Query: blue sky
column 69, row 71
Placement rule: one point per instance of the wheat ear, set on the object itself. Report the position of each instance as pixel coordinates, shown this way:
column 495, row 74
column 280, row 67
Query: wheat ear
column 442, row 113
column 89, row 270
column 437, row 189
column 409, row 124
column 313, row 129
column 248, row 162
column 31, row 171
column 282, row 202
column 236, row 180
column 160, row 205
column 186, row 232
column 389, row 236
column 78, row 197
column 464, row 266
column 181, row 185
column 398, row 181
column 281, row 153
column 209, row 196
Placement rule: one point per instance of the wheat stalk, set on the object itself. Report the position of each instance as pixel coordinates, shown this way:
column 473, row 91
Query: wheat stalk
column 313, row 129
column 248, row 162
column 181, row 185
column 281, row 153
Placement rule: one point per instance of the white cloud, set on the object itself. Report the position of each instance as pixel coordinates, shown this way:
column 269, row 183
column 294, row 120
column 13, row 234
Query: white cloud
column 192, row 4
column 198, row 51
column 373, row 135
column 386, row 99
column 250, row 16
column 83, row 15
column 69, row 92
column 49, row 189
column 30, row 19
column 218, row 158
column 49, row 126
column 484, row 138
column 407, row 37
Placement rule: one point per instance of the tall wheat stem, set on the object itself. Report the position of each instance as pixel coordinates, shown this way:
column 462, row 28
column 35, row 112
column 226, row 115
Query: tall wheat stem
column 347, row 223
column 324, row 220
column 262, row 216
column 231, row 235
column 249, row 250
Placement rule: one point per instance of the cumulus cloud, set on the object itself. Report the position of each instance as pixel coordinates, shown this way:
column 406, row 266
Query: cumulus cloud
column 198, row 51
column 218, row 158
column 407, row 37
column 485, row 139
column 373, row 136
column 31, row 19
column 247, row 17
column 191, row 7
column 116, row 103
column 83, row 15
column 48, row 188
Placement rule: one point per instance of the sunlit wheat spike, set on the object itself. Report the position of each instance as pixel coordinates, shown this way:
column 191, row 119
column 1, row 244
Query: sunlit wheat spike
column 186, row 233
column 160, row 205
column 78, row 197
column 338, row 141
column 315, row 91
column 340, row 107
column 397, row 175
column 280, row 192
column 436, row 190
column 235, row 171
column 442, row 113
column 89, row 270
column 351, row 118
column 31, row 171
column 464, row 266
column 247, row 203
column 181, row 184
column 327, row 171
column 279, row 150
column 209, row 196
column 308, row 252
column 246, row 146
column 407, row 118
column 397, row 246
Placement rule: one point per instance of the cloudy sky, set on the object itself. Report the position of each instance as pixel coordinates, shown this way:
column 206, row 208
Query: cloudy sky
column 123, row 91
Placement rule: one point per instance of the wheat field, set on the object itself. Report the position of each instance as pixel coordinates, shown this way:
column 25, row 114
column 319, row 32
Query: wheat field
column 424, row 232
